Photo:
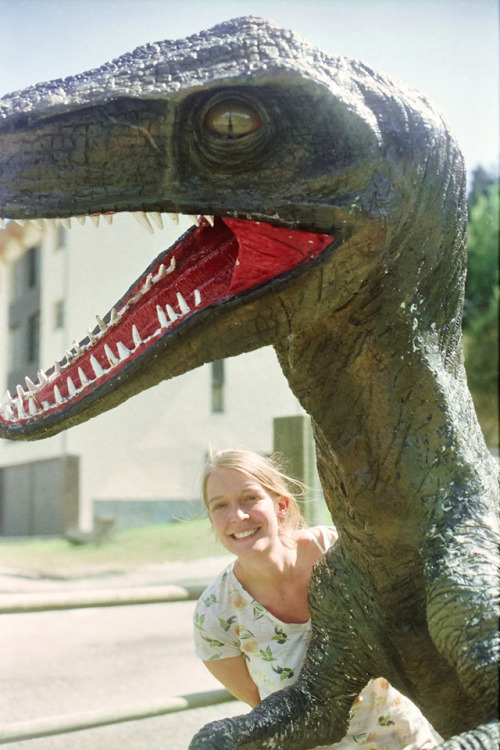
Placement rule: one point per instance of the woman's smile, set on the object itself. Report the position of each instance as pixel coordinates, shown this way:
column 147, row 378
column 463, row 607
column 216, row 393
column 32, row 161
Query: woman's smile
column 244, row 534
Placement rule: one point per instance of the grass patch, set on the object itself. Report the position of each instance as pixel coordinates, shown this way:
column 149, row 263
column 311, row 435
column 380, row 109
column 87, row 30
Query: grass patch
column 185, row 540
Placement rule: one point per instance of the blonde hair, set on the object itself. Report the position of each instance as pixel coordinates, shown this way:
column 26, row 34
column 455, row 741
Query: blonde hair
column 265, row 471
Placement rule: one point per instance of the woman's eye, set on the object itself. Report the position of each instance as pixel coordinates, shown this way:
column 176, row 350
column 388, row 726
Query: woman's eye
column 232, row 119
column 217, row 506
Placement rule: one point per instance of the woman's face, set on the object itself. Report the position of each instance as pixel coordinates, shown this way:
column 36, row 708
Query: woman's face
column 245, row 516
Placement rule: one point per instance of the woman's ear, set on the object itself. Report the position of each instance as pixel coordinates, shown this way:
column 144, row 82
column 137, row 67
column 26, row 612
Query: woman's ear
column 282, row 505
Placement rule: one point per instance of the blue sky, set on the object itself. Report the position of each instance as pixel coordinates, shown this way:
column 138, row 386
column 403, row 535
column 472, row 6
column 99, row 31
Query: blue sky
column 448, row 49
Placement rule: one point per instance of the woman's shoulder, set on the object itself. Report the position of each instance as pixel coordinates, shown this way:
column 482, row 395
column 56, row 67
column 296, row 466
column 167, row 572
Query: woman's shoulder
column 221, row 578
column 323, row 536
column 218, row 590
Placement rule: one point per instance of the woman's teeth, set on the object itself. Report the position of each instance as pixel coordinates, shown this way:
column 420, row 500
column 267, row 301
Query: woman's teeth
column 243, row 534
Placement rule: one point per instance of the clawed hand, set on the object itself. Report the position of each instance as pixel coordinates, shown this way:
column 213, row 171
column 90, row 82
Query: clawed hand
column 213, row 736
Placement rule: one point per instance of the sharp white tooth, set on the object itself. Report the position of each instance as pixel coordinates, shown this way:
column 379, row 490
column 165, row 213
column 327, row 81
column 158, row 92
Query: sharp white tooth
column 162, row 271
column 96, row 367
column 70, row 356
column 7, row 398
column 31, row 386
column 66, row 222
column 114, row 317
column 108, row 218
column 147, row 284
column 20, row 409
column 156, row 218
column 42, row 378
column 123, row 351
column 7, row 411
column 210, row 220
column 92, row 336
column 77, row 347
column 183, row 306
column 39, row 223
column 53, row 223
column 100, row 322
column 174, row 218
column 172, row 265
column 136, row 336
column 81, row 219
column 45, row 405
column 57, row 368
column 162, row 317
column 171, row 314
column 83, row 378
column 143, row 220
column 197, row 297
column 95, row 219
column 194, row 219
column 32, row 406
column 111, row 357
column 21, row 394
column 71, row 386
column 57, row 395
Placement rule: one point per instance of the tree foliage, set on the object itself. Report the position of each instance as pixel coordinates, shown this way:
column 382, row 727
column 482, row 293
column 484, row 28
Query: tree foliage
column 481, row 300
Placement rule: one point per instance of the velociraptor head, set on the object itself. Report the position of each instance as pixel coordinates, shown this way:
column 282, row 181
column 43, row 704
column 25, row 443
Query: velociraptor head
column 312, row 176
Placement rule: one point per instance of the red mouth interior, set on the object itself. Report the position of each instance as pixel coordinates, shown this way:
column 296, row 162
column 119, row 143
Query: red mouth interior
column 206, row 266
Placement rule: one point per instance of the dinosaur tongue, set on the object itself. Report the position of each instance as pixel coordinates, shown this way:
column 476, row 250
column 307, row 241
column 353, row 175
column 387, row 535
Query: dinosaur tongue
column 265, row 251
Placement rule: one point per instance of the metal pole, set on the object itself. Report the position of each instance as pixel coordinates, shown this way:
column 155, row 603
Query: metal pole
column 48, row 727
column 60, row 600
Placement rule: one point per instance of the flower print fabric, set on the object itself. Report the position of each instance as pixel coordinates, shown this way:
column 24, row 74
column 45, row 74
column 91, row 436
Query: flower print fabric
column 229, row 622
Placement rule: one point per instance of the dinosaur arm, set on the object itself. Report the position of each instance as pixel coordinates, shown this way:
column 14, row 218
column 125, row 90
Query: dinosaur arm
column 463, row 619
column 291, row 718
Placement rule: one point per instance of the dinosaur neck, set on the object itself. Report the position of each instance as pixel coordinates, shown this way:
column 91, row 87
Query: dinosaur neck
column 385, row 409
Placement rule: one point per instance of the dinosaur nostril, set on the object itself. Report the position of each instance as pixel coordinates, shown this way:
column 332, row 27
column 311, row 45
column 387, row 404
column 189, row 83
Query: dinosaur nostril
column 232, row 119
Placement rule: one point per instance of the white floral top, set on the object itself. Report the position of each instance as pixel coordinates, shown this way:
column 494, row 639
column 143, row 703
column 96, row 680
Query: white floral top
column 228, row 622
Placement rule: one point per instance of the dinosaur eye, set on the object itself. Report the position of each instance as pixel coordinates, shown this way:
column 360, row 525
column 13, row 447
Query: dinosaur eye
column 232, row 119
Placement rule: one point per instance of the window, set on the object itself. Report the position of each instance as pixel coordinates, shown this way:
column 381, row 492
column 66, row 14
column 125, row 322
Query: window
column 59, row 314
column 218, row 386
column 16, row 358
column 33, row 339
column 61, row 238
column 32, row 267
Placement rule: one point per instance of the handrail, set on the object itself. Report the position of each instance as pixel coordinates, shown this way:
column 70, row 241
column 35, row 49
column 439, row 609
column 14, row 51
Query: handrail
column 50, row 726
column 118, row 597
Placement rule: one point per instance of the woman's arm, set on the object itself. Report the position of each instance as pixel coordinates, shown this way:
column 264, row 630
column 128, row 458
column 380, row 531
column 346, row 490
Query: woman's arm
column 234, row 675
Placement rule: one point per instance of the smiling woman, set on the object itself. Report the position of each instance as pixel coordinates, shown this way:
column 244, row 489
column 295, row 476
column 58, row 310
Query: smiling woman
column 252, row 624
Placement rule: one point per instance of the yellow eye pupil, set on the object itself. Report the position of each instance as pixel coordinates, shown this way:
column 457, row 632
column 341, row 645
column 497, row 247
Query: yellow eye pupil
column 232, row 119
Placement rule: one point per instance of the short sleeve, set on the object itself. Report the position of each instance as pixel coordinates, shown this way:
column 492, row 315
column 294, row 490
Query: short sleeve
column 214, row 629
column 331, row 535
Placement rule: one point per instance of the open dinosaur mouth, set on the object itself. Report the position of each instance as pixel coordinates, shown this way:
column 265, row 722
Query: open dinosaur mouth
column 211, row 263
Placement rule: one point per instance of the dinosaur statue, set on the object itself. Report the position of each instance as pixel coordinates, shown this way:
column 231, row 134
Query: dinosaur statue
column 329, row 203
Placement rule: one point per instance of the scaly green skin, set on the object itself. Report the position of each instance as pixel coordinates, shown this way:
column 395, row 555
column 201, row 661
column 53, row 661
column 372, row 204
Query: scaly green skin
column 368, row 336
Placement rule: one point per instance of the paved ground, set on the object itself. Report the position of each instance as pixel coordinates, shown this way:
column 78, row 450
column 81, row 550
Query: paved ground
column 70, row 662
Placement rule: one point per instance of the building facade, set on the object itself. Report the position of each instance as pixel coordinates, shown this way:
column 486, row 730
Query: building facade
column 53, row 282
